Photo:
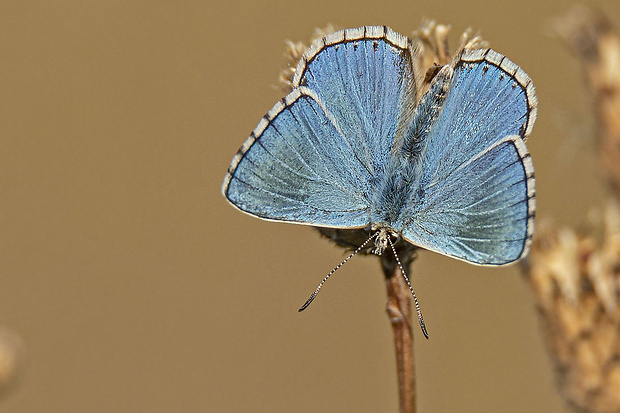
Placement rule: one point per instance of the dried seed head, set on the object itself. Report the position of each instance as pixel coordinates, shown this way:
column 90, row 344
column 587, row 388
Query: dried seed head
column 576, row 281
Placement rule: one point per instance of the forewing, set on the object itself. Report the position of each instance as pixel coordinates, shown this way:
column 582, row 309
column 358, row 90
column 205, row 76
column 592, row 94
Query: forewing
column 296, row 166
column 490, row 98
column 476, row 196
column 368, row 78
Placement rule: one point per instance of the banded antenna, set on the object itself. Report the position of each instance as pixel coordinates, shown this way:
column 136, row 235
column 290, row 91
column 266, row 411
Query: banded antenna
column 316, row 292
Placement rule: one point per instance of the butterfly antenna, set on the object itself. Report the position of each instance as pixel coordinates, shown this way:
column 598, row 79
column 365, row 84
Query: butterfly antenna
column 415, row 299
column 316, row 292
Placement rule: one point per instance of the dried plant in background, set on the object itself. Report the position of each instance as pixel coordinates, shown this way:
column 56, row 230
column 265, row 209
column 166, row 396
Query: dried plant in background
column 11, row 351
column 575, row 276
column 596, row 43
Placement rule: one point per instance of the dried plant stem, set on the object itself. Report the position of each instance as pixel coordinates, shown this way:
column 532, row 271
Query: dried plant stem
column 399, row 311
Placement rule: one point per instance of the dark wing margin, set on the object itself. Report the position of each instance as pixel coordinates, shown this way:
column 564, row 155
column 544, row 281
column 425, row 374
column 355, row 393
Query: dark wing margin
column 515, row 72
column 384, row 33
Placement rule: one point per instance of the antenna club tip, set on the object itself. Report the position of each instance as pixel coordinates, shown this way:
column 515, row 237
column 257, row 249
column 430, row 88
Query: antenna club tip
column 307, row 303
column 423, row 327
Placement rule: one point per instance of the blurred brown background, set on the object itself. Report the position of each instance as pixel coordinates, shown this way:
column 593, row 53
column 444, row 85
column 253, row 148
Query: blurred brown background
column 134, row 286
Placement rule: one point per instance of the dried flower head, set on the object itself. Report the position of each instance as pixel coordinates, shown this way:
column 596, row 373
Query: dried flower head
column 576, row 275
column 576, row 280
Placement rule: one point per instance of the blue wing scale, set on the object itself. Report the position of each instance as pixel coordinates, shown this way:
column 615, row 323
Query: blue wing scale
column 296, row 167
column 483, row 213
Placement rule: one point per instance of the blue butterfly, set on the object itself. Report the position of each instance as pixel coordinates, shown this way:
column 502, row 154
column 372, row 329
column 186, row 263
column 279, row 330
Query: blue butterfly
column 357, row 144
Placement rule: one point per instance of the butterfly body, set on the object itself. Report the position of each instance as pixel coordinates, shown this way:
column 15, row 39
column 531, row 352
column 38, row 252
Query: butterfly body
column 401, row 188
column 361, row 143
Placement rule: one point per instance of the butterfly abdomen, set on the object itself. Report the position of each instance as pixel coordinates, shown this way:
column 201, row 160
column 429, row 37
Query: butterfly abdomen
column 390, row 200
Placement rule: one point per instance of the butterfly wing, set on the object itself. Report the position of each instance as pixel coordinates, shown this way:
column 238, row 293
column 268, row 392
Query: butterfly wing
column 296, row 166
column 314, row 158
column 368, row 78
column 476, row 197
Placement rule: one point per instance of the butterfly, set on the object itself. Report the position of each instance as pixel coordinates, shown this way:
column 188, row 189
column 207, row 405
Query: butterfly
column 362, row 142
